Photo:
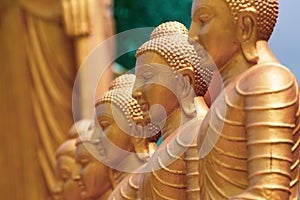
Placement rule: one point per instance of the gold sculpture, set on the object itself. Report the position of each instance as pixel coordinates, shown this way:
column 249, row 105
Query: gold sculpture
column 66, row 188
column 167, row 64
column 105, row 160
column 256, row 117
column 92, row 176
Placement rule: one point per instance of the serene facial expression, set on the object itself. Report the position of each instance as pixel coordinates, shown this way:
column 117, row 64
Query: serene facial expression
column 64, row 169
column 213, row 26
column 92, row 176
column 114, row 125
column 155, row 84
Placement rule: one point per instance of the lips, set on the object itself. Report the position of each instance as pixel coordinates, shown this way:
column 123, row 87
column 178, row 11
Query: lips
column 82, row 189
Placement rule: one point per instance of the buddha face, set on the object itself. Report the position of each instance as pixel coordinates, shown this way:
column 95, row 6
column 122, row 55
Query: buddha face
column 213, row 26
column 66, row 187
column 155, row 85
column 115, row 127
column 91, row 175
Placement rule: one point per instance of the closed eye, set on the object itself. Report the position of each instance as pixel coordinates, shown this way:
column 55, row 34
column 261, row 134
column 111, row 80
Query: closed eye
column 104, row 124
column 204, row 14
column 84, row 161
column 147, row 75
column 205, row 17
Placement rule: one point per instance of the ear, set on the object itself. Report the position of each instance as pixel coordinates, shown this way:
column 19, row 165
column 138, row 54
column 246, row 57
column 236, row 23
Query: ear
column 247, row 21
column 189, row 79
column 186, row 91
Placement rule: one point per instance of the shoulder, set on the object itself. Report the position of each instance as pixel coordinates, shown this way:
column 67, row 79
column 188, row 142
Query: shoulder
column 265, row 78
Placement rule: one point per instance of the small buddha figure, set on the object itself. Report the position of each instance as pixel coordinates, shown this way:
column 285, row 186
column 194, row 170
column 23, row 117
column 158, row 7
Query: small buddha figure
column 109, row 149
column 171, row 74
column 256, row 155
column 92, row 176
column 66, row 188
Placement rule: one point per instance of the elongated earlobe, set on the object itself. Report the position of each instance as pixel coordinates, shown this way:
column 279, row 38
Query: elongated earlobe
column 186, row 91
column 248, row 34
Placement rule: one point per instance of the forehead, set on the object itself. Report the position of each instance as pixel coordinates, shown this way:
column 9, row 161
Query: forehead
column 104, row 109
column 216, row 4
column 65, row 159
column 85, row 149
column 150, row 57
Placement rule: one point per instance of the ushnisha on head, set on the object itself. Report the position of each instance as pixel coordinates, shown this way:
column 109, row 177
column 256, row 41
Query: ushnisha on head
column 85, row 130
column 267, row 13
column 123, row 113
column 170, row 41
column 119, row 93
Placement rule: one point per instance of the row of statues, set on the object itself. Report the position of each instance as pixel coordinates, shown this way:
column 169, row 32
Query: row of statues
column 171, row 131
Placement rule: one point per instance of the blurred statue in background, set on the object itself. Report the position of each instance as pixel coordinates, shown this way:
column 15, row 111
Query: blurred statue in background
column 66, row 188
column 39, row 60
column 256, row 117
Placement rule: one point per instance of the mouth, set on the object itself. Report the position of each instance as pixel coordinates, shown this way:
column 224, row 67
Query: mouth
column 82, row 188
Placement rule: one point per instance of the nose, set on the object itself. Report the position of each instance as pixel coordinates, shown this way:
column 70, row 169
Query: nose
column 193, row 36
column 137, row 94
column 76, row 174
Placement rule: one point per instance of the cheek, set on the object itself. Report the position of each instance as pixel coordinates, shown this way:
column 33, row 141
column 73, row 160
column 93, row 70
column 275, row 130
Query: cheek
column 148, row 93
column 93, row 178
column 118, row 137
column 84, row 175
column 87, row 176
column 71, row 190
column 220, row 45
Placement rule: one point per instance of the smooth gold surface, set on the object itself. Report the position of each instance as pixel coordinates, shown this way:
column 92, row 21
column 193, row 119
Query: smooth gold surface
column 39, row 65
column 257, row 153
column 158, row 82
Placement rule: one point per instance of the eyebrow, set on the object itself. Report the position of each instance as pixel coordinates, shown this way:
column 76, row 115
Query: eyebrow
column 103, row 112
column 205, row 9
column 83, row 155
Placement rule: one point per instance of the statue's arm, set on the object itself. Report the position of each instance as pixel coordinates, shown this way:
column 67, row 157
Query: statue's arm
column 271, row 104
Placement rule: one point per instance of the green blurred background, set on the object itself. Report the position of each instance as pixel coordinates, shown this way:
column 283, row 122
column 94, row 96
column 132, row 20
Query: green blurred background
column 131, row 14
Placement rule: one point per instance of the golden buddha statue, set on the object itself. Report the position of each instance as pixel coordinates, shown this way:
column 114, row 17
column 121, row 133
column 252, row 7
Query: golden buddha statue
column 66, row 188
column 256, row 117
column 106, row 153
column 169, row 73
column 91, row 175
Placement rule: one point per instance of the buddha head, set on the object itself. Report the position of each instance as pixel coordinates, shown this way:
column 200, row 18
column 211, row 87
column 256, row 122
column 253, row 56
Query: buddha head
column 115, row 111
column 107, row 143
column 66, row 188
column 91, row 175
column 226, row 28
column 170, row 72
